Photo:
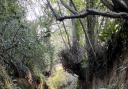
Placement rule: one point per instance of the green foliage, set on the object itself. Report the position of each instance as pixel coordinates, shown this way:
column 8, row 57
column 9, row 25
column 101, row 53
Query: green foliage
column 9, row 9
column 111, row 28
column 80, row 4
column 53, row 1
column 19, row 39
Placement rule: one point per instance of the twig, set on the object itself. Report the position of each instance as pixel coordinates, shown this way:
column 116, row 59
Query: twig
column 86, row 34
column 65, row 27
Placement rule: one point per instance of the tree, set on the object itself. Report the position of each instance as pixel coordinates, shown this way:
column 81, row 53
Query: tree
column 105, row 58
column 22, row 51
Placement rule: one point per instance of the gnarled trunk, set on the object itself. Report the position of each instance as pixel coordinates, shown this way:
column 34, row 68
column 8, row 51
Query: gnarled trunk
column 112, row 70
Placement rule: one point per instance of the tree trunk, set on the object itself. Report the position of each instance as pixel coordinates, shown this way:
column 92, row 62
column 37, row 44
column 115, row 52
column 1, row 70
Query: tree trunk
column 115, row 66
column 86, row 84
column 75, row 34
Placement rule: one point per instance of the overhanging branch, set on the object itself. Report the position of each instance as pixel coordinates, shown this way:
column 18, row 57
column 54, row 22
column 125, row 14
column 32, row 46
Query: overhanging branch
column 87, row 12
column 96, row 12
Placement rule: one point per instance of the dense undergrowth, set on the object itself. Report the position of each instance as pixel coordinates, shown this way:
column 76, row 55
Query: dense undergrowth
column 5, row 80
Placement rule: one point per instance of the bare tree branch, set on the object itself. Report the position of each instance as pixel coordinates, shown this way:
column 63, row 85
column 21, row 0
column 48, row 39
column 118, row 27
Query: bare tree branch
column 126, row 2
column 87, row 12
column 68, row 7
column 65, row 27
column 120, row 5
column 53, row 11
